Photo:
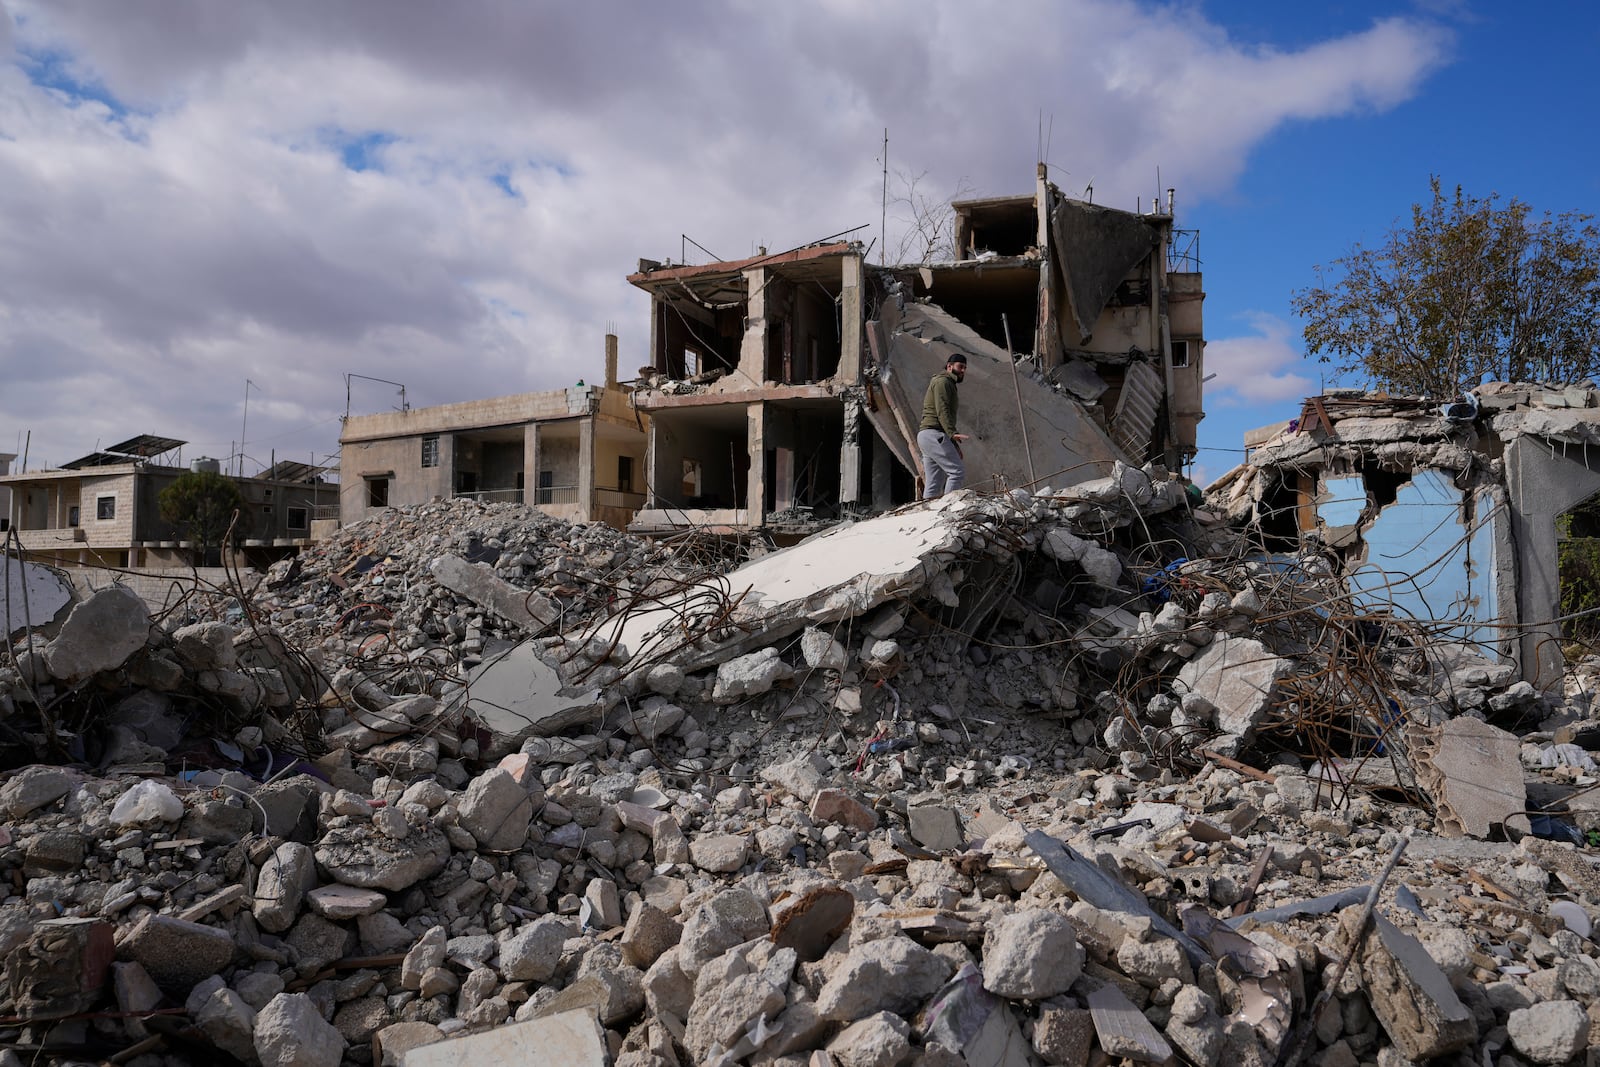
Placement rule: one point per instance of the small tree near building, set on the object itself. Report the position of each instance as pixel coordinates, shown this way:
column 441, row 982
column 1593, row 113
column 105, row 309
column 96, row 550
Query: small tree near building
column 203, row 504
column 1471, row 288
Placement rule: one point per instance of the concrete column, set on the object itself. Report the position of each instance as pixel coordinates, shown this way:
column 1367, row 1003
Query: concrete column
column 753, row 346
column 530, row 463
column 850, row 319
column 756, row 487
column 586, row 467
column 850, row 453
column 611, row 361
column 1541, row 486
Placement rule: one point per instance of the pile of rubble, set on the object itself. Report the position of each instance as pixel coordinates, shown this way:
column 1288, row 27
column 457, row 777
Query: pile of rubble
column 1058, row 777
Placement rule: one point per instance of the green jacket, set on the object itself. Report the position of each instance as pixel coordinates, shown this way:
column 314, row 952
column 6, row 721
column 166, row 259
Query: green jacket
column 940, row 404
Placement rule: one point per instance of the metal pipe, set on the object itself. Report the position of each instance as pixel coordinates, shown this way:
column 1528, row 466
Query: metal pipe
column 1022, row 417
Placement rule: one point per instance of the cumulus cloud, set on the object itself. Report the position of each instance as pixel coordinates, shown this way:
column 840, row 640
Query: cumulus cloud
column 1261, row 367
column 450, row 195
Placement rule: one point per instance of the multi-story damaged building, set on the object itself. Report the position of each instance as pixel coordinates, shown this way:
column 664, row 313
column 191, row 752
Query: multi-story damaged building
column 103, row 509
column 784, row 390
column 577, row 453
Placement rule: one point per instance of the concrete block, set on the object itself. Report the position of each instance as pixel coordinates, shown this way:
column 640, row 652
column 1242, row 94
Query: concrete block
column 572, row 1038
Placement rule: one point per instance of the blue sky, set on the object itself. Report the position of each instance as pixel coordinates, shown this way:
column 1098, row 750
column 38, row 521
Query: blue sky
column 1509, row 111
column 196, row 194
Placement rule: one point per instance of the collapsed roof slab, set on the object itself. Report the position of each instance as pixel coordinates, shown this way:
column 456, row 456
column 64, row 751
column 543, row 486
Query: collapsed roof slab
column 1066, row 445
column 839, row 573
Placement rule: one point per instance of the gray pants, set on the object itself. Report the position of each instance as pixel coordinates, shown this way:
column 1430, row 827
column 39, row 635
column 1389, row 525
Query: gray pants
column 943, row 469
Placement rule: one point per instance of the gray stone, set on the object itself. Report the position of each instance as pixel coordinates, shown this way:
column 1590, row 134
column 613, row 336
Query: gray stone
column 216, row 822
column 1031, row 955
column 1552, row 1032
column 721, row 1015
column 32, row 788
column 719, row 853
column 1410, row 995
column 653, row 719
column 228, row 1021
column 424, row 956
column 891, row 974
column 936, row 827
column 649, row 933
column 177, row 954
column 291, row 1032
column 822, row 651
column 571, row 1037
column 99, row 635
column 534, row 952
column 730, row 918
column 344, row 902
column 360, row 856
column 288, row 809
column 1239, row 677
column 802, row 777
column 1195, row 1029
column 396, row 1039
column 496, row 810
column 881, row 1040
column 281, row 885
column 605, row 906
column 667, row 990
column 1063, row 1035
column 206, row 646
column 1152, row 962
column 750, row 675
column 318, row 942
column 381, row 933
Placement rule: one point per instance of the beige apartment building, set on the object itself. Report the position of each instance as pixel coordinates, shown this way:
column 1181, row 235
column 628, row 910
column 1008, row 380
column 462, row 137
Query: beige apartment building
column 576, row 453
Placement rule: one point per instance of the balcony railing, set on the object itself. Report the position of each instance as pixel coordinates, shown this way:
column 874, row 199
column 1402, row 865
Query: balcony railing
column 556, row 494
column 560, row 494
column 324, row 511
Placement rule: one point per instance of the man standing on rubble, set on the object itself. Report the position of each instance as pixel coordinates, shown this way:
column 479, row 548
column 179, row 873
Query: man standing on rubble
column 943, row 466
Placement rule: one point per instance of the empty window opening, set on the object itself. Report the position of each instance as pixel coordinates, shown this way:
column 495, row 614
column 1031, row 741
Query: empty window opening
column 691, row 362
column 1180, row 353
column 105, row 508
column 266, row 509
column 430, row 450
column 297, row 518
column 377, row 492
column 625, row 474
column 1383, row 486
column 72, row 515
column 1578, row 565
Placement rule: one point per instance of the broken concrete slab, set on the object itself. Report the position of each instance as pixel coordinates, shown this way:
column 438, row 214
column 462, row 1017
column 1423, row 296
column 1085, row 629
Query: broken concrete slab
column 99, row 635
column 1473, row 773
column 519, row 694
column 31, row 595
column 1239, row 677
column 1122, row 1029
column 1409, row 993
column 477, row 582
column 177, row 954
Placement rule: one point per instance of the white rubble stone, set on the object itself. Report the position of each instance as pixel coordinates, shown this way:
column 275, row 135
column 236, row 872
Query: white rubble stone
column 1031, row 955
column 1552, row 1032
column 534, row 952
column 730, row 918
column 1238, row 676
column 822, row 651
column 99, row 635
column 281, row 885
column 750, row 675
column 719, row 853
column 32, row 788
column 803, row 777
column 291, row 1032
column 880, row 1040
column 496, row 810
column 892, row 974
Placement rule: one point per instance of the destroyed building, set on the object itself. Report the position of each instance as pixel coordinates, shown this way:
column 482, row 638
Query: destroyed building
column 1451, row 514
column 784, row 389
column 102, row 509
column 577, row 453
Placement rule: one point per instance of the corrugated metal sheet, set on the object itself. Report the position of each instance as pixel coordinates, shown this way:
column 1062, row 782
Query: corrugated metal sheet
column 1134, row 421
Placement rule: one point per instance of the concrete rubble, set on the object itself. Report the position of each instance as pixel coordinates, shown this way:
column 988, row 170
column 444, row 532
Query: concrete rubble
column 940, row 787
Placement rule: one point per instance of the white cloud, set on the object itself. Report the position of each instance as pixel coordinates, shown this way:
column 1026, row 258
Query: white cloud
column 189, row 221
column 1261, row 367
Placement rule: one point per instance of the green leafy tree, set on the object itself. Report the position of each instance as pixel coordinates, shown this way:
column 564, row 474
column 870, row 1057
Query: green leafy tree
column 203, row 503
column 1471, row 287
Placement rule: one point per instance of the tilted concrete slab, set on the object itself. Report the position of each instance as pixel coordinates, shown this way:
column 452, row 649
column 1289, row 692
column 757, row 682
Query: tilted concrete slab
column 519, row 694
column 1067, row 446
column 30, row 595
column 843, row 571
